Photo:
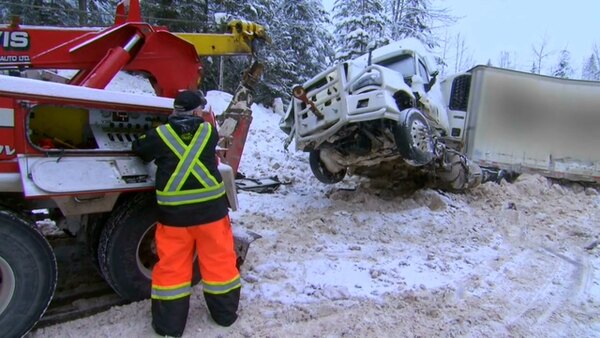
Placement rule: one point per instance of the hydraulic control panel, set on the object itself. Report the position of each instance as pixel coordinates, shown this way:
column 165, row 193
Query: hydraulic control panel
column 114, row 130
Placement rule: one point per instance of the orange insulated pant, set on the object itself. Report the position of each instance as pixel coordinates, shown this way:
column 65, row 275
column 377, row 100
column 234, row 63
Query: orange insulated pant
column 172, row 275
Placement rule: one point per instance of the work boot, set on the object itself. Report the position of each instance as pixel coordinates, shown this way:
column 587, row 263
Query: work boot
column 157, row 334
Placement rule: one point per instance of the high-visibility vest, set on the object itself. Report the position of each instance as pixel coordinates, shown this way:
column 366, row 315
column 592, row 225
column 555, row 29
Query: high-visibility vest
column 188, row 154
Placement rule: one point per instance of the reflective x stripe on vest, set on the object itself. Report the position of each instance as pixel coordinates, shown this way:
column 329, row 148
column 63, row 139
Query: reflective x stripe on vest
column 188, row 164
column 172, row 292
column 220, row 288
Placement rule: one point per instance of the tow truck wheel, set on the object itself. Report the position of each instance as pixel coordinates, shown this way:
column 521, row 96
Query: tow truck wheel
column 93, row 233
column 414, row 139
column 28, row 274
column 127, row 252
column 321, row 172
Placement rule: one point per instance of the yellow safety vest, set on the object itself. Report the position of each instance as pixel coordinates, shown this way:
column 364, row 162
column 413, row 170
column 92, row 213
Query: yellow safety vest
column 188, row 164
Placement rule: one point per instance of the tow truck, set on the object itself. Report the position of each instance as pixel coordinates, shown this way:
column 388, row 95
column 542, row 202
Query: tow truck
column 65, row 148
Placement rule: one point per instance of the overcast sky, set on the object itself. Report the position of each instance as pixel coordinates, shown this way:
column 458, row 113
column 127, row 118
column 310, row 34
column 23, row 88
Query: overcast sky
column 492, row 26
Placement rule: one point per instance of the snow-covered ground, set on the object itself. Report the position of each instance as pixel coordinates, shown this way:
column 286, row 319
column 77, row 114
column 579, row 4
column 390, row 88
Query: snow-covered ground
column 353, row 260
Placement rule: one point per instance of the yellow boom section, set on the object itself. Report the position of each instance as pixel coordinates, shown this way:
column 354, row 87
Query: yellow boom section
column 239, row 41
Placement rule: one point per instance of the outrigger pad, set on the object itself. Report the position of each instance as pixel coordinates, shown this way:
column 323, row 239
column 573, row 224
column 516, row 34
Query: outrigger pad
column 242, row 240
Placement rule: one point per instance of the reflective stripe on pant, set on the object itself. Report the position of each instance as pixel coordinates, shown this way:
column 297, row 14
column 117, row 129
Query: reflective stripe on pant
column 172, row 275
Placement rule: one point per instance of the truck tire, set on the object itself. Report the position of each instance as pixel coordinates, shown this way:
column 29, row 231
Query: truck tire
column 93, row 232
column 414, row 140
column 28, row 274
column 321, row 172
column 460, row 175
column 127, row 252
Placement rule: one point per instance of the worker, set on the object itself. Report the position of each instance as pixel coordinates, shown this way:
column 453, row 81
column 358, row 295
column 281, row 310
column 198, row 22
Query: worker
column 192, row 217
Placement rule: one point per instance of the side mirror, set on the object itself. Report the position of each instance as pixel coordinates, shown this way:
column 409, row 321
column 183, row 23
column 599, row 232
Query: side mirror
column 431, row 81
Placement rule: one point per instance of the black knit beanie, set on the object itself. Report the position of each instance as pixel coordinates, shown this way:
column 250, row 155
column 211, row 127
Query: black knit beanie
column 188, row 100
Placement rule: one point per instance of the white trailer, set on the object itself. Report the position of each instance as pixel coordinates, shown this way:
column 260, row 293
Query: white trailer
column 526, row 123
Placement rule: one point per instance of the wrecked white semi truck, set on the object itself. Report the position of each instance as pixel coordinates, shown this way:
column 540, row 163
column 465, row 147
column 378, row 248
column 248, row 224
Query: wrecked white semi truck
column 381, row 116
column 526, row 123
column 384, row 115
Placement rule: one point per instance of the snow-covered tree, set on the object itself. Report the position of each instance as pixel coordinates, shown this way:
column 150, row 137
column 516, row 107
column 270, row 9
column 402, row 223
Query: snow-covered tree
column 310, row 39
column 232, row 67
column 98, row 12
column 359, row 27
column 591, row 66
column 534, row 68
column 415, row 18
column 590, row 69
column 39, row 12
column 178, row 15
column 563, row 68
column 304, row 45
column 60, row 13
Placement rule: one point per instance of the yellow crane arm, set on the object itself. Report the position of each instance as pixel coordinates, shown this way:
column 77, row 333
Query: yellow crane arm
column 239, row 41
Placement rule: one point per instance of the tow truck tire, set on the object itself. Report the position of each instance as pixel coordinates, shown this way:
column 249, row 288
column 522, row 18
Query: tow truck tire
column 93, row 232
column 127, row 252
column 321, row 172
column 28, row 274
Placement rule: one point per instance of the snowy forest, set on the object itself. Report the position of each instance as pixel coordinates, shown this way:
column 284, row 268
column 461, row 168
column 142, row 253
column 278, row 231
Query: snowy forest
column 306, row 38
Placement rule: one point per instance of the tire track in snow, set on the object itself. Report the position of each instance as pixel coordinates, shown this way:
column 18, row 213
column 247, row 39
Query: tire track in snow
column 568, row 281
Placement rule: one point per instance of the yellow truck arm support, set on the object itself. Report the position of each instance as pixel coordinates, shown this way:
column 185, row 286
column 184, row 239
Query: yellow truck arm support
column 239, row 41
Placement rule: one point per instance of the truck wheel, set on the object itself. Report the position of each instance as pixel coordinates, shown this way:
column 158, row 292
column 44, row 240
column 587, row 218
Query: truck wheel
column 321, row 172
column 127, row 251
column 28, row 274
column 414, row 140
column 461, row 174
column 93, row 232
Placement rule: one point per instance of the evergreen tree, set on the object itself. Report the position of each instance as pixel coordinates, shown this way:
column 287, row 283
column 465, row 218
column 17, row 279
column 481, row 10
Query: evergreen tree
column 563, row 68
column 311, row 40
column 414, row 18
column 177, row 15
column 60, row 13
column 39, row 12
column 359, row 27
column 255, row 10
column 232, row 67
column 100, row 13
column 534, row 68
column 302, row 43
column 301, row 47
column 590, row 70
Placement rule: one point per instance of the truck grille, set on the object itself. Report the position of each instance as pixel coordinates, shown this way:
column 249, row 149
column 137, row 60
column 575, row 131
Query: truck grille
column 459, row 97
